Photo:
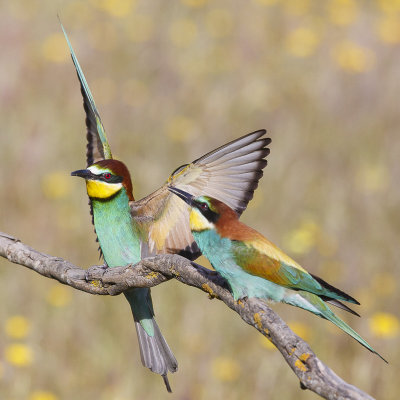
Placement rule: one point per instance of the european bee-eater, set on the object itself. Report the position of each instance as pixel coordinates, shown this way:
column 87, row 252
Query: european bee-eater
column 255, row 267
column 127, row 229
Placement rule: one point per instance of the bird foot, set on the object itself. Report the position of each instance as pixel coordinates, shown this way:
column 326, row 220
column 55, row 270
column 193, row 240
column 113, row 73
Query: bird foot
column 95, row 272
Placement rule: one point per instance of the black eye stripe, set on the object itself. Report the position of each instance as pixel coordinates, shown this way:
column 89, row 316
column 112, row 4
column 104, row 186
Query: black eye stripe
column 111, row 179
column 209, row 214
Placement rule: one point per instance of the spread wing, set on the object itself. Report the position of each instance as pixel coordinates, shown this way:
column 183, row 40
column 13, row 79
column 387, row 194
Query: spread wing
column 261, row 258
column 229, row 174
column 97, row 147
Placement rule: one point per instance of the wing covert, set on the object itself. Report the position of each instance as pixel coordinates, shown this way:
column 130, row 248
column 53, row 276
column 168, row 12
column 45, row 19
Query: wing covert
column 229, row 173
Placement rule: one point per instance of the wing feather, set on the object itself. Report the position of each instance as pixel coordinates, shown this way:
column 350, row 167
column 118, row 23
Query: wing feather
column 230, row 174
column 264, row 259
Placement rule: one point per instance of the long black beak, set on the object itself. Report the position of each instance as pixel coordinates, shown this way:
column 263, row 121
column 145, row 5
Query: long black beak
column 82, row 173
column 186, row 197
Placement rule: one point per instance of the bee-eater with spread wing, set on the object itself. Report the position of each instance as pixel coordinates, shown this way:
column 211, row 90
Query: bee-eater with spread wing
column 255, row 267
column 127, row 229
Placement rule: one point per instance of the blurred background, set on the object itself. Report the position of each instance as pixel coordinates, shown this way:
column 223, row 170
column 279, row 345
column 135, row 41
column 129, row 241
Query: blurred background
column 173, row 80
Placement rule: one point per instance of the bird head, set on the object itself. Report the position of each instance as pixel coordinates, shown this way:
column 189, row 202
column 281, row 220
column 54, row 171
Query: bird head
column 106, row 178
column 206, row 212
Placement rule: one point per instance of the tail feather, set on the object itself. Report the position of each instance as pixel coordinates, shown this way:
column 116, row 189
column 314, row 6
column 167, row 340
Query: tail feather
column 316, row 305
column 339, row 304
column 333, row 292
column 155, row 352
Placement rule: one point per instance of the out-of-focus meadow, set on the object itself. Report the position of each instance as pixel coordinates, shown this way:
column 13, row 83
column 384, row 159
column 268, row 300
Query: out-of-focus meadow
column 173, row 80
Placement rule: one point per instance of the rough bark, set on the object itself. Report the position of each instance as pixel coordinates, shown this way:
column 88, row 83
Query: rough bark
column 312, row 373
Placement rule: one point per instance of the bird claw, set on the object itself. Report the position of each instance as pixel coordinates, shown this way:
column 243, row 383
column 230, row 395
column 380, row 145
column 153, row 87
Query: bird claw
column 95, row 272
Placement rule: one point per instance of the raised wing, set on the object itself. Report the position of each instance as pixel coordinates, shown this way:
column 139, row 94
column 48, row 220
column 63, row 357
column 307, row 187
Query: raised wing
column 229, row 174
column 97, row 147
column 262, row 258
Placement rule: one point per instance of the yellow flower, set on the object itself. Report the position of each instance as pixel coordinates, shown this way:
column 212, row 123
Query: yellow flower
column 372, row 178
column 180, row 129
column 388, row 29
column 17, row 327
column 219, row 22
column 19, row 355
column 117, row 8
column 42, row 395
column 58, row 296
column 389, row 6
column 384, row 325
column 302, row 239
column 225, row 369
column 342, row 12
column 266, row 2
column 298, row 7
column 302, row 42
column 183, row 32
column 352, row 57
column 140, row 28
column 55, row 49
column 56, row 185
column 194, row 3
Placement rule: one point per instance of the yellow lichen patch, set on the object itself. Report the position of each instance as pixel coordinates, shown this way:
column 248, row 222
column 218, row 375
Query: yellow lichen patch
column 298, row 364
column 152, row 275
column 17, row 327
column 208, row 289
column 225, row 369
column 304, row 357
column 174, row 272
column 42, row 395
column 95, row 283
column 292, row 350
column 266, row 332
column 241, row 304
column 257, row 320
column 19, row 355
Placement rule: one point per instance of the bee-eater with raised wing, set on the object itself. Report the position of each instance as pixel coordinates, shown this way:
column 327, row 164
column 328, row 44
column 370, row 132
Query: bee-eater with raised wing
column 255, row 267
column 128, row 230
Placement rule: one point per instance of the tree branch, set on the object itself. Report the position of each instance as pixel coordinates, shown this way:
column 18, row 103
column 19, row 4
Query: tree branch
column 312, row 373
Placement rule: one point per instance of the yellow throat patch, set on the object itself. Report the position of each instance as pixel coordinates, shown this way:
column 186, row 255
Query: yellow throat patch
column 198, row 222
column 102, row 190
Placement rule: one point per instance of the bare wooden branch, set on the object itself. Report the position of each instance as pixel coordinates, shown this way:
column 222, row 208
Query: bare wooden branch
column 312, row 373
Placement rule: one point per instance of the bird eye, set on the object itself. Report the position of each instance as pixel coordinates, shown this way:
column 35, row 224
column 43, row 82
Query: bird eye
column 107, row 175
column 204, row 206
